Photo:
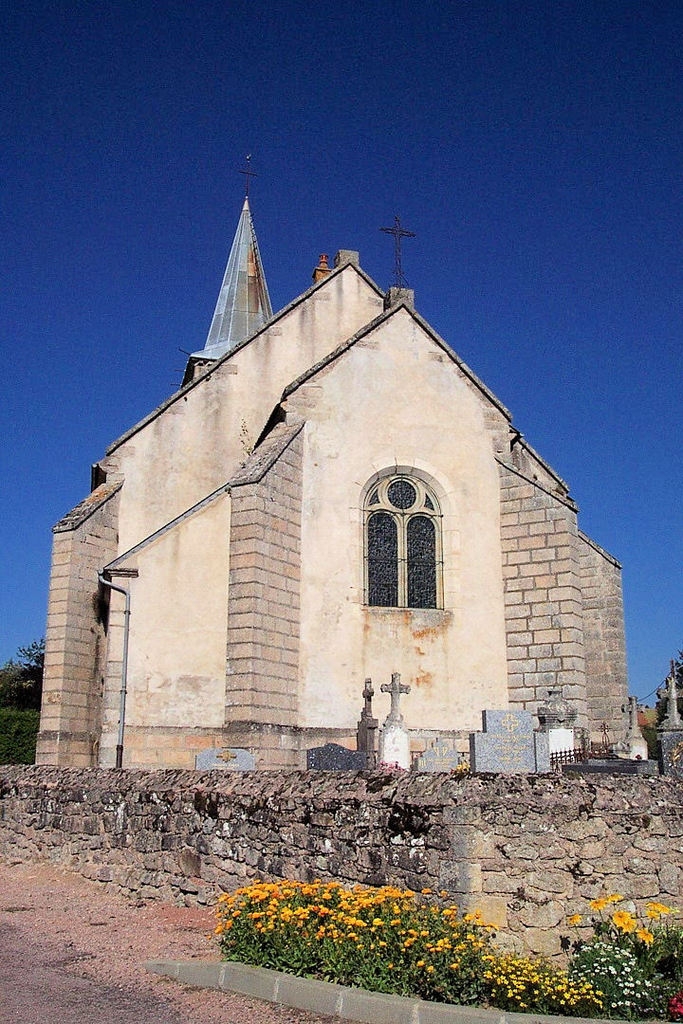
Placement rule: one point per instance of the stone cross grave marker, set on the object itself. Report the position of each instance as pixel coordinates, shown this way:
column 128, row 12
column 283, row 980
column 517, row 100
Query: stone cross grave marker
column 508, row 745
column 366, row 733
column 394, row 741
column 670, row 732
column 233, row 759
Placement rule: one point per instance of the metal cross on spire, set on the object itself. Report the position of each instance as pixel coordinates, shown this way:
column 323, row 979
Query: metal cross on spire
column 398, row 232
column 248, row 173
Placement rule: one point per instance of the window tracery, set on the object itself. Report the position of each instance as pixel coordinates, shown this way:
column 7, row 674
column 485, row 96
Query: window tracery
column 402, row 544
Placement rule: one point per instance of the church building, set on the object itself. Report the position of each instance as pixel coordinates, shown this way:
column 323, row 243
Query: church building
column 332, row 495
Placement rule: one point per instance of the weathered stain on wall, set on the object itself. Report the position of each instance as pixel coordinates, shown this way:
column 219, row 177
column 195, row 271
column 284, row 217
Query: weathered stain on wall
column 528, row 851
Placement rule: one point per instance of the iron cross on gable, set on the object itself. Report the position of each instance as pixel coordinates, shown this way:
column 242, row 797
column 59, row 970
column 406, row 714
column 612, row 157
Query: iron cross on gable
column 398, row 232
column 395, row 688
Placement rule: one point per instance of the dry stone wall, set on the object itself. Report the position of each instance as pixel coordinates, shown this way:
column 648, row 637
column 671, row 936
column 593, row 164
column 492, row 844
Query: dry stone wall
column 527, row 850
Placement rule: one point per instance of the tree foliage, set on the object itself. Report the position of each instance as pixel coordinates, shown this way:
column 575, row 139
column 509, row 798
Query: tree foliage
column 21, row 678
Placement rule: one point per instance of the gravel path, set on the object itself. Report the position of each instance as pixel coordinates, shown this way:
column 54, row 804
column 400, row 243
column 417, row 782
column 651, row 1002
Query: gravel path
column 72, row 952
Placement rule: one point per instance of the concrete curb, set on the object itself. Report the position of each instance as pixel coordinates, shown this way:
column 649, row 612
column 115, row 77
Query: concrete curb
column 336, row 1000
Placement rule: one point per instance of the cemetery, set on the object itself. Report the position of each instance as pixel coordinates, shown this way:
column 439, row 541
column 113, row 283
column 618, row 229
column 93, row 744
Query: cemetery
column 524, row 832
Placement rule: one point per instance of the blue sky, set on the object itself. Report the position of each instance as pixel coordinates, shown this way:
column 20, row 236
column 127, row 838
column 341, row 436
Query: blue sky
column 534, row 149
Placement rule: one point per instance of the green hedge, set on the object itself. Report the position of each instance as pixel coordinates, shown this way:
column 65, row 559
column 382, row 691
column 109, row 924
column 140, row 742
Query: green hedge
column 18, row 734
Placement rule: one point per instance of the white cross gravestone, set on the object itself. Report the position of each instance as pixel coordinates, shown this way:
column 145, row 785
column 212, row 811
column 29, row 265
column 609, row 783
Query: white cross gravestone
column 394, row 743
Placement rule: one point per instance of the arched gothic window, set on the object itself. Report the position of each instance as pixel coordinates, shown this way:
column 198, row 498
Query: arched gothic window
column 402, row 544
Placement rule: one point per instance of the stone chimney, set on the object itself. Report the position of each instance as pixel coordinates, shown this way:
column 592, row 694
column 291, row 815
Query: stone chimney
column 322, row 270
column 347, row 256
column 394, row 296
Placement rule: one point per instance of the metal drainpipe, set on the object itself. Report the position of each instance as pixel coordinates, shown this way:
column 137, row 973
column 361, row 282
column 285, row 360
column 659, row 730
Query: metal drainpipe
column 124, row 667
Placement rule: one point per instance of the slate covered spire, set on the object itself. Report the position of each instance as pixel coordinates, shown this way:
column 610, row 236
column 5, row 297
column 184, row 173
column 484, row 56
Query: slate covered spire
column 243, row 302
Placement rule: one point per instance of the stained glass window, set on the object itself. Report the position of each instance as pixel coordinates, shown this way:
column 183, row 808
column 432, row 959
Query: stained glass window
column 402, row 545
column 382, row 560
column 421, row 562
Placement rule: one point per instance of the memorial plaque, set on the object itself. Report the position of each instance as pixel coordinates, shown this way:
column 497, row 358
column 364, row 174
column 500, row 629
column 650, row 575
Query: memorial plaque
column 440, row 756
column 334, row 758
column 232, row 759
column 508, row 745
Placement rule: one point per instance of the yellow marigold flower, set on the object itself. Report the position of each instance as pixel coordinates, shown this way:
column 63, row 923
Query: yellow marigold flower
column 598, row 904
column 645, row 936
column 426, row 892
column 420, row 963
column 615, row 898
column 624, row 921
column 656, row 910
column 574, row 919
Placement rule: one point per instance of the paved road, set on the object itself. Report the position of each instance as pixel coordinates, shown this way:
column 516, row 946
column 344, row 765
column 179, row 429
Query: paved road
column 36, row 988
column 73, row 952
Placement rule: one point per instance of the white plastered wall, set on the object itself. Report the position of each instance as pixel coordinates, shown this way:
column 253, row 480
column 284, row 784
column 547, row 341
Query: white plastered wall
column 396, row 399
column 196, row 443
column 178, row 624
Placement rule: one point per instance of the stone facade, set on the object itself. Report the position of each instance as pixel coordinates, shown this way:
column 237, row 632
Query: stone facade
column 527, row 851
column 236, row 514
column 605, row 651
column 263, row 599
column 75, row 641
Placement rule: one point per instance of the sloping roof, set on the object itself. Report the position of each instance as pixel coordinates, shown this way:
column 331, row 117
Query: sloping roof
column 85, row 508
column 427, row 328
column 243, row 305
column 211, row 363
column 146, row 541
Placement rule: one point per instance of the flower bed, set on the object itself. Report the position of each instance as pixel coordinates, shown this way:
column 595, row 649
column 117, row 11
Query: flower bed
column 390, row 940
column 396, row 941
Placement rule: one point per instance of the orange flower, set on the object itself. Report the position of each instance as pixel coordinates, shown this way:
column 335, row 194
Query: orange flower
column 624, row 921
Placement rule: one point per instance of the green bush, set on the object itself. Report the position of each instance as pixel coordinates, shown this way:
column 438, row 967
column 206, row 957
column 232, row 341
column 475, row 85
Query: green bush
column 18, row 734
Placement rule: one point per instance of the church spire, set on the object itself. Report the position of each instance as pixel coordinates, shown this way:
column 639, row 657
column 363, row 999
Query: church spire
column 243, row 302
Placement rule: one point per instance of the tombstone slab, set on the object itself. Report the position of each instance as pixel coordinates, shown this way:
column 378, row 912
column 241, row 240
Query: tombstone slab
column 233, row 759
column 441, row 756
column 394, row 745
column 508, row 745
column 332, row 757
column 670, row 744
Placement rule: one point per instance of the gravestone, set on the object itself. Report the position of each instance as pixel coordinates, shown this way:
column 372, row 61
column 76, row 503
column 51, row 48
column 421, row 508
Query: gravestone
column 366, row 733
column 508, row 745
column 332, row 757
column 234, row 759
column 670, row 732
column 440, row 756
column 557, row 718
column 394, row 744
column 634, row 746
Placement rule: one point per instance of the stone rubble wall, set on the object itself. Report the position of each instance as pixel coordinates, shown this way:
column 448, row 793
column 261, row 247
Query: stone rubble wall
column 526, row 850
